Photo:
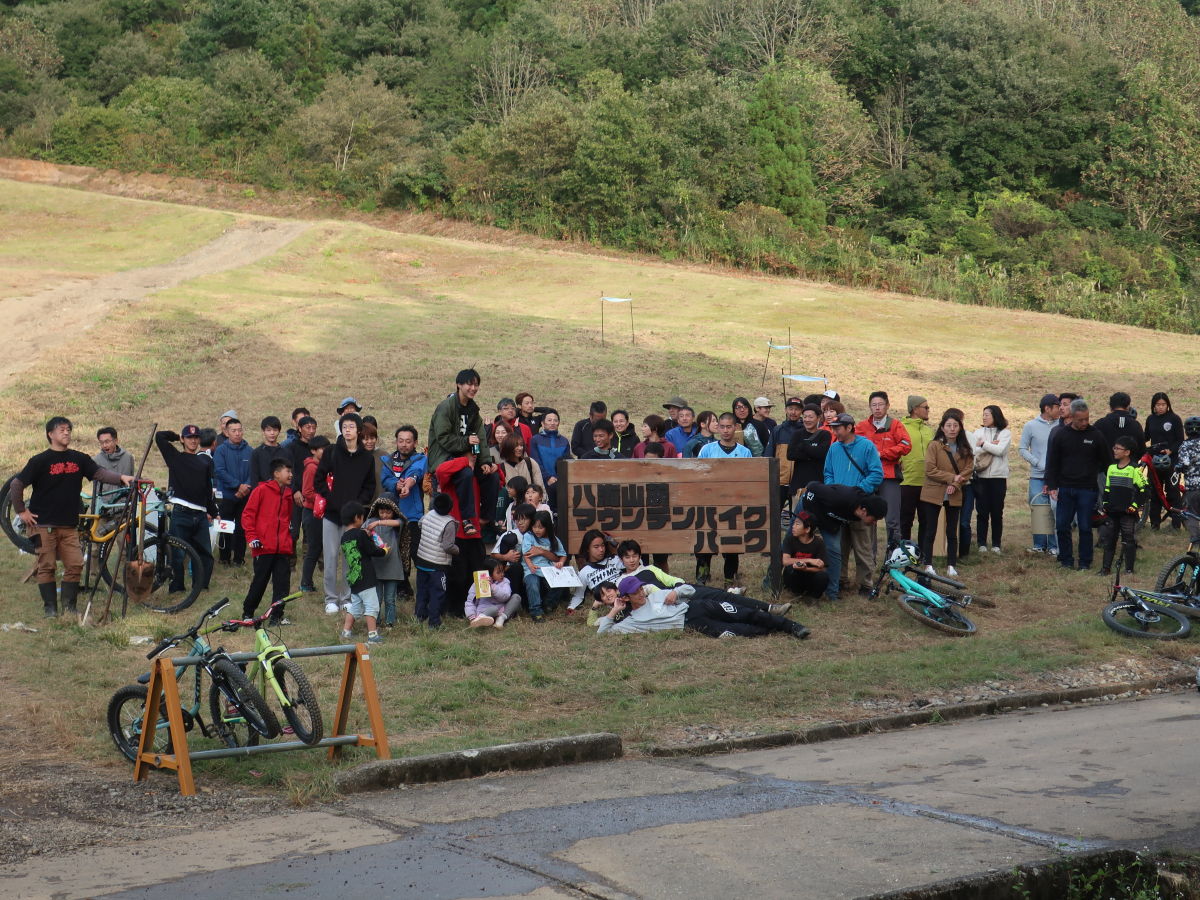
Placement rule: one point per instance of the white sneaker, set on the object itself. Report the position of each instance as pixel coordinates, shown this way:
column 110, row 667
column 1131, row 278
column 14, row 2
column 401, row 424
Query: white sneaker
column 500, row 620
column 331, row 609
column 930, row 570
column 996, row 550
column 951, row 572
column 346, row 607
column 736, row 590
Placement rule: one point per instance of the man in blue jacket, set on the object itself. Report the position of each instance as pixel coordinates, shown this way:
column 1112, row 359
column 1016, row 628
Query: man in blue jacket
column 403, row 473
column 547, row 448
column 854, row 462
column 232, row 463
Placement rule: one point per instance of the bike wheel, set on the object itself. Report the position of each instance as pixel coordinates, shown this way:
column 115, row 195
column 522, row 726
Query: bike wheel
column 947, row 620
column 10, row 524
column 1180, row 576
column 126, row 712
column 161, row 601
column 232, row 689
column 304, row 712
column 1127, row 617
column 230, row 726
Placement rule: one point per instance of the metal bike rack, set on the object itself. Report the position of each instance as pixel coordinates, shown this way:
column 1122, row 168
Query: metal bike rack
column 163, row 685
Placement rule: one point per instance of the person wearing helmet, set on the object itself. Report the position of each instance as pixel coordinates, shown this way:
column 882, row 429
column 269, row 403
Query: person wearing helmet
column 1187, row 464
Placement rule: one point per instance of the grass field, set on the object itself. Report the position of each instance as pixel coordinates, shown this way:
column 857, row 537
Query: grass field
column 389, row 318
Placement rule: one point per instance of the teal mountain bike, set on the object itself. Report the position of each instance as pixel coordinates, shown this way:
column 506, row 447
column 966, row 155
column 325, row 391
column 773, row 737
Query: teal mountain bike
column 932, row 600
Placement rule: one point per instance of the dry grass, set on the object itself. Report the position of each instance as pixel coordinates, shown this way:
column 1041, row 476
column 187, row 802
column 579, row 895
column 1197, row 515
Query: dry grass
column 346, row 310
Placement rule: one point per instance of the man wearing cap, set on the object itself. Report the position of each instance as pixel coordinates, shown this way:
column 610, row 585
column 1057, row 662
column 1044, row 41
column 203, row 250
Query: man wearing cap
column 762, row 421
column 673, row 406
column 226, row 416
column 707, row 610
column 685, row 430
column 190, row 485
column 853, row 461
column 506, row 412
column 892, row 442
column 1034, row 447
column 916, row 423
column 778, row 444
column 828, row 397
column 836, row 508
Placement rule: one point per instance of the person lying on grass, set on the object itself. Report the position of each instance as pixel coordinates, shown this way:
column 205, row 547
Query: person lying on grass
column 637, row 608
column 496, row 609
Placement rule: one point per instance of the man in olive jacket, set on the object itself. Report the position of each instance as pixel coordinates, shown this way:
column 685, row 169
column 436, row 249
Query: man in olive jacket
column 455, row 430
column 916, row 423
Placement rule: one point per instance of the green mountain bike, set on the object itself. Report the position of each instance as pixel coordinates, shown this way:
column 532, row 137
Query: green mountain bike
column 940, row 608
column 1144, row 614
column 230, row 690
column 275, row 667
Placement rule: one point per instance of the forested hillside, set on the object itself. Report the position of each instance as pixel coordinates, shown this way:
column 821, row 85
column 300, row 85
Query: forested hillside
column 1040, row 154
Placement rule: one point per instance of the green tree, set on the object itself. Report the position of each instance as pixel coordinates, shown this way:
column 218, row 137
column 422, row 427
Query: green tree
column 1151, row 164
column 29, row 47
column 777, row 135
column 123, row 62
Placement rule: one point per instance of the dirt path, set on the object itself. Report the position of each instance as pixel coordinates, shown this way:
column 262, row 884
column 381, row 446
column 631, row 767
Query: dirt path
column 64, row 312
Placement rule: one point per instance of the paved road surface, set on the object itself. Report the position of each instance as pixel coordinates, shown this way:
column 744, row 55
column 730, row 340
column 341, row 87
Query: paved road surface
column 843, row 819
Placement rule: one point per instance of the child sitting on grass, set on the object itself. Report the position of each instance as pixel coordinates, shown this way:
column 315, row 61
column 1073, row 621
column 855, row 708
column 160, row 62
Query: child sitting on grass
column 498, row 608
column 437, row 547
column 358, row 548
column 540, row 549
column 385, row 522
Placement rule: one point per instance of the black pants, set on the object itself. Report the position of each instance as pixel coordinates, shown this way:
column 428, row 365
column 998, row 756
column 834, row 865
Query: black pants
column 191, row 527
column 806, row 583
column 472, row 556
column 312, row 547
column 297, row 524
column 722, row 614
column 275, row 568
column 989, row 506
column 1123, row 524
column 704, row 565
column 233, row 545
column 930, row 513
column 1170, row 485
column 910, row 505
column 465, row 481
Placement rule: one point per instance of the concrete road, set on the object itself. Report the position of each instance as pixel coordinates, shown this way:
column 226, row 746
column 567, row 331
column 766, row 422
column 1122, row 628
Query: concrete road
column 845, row 819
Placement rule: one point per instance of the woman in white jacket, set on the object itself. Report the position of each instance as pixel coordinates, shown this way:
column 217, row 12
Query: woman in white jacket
column 991, row 443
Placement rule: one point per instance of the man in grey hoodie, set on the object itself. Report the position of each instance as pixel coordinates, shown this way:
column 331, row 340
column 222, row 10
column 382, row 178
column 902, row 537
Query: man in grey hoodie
column 1035, row 441
column 113, row 457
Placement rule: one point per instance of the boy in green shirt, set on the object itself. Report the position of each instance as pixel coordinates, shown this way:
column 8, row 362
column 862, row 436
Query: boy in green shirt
column 1124, row 492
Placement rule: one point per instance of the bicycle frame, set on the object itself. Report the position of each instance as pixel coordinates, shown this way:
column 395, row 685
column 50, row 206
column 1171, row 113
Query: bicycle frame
column 263, row 668
column 899, row 574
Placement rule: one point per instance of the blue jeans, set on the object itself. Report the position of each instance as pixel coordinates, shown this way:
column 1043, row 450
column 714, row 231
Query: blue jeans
column 388, row 588
column 964, row 523
column 833, row 546
column 1075, row 504
column 537, row 593
column 191, row 527
column 1040, row 540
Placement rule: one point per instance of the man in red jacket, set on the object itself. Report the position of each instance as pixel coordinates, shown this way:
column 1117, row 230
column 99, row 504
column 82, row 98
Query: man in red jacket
column 267, row 520
column 892, row 441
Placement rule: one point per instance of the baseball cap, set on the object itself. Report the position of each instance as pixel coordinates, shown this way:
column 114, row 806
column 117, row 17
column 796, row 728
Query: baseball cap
column 831, row 394
column 843, row 419
column 1048, row 400
column 190, row 431
column 794, row 401
column 762, row 401
column 506, row 401
column 349, row 401
column 675, row 401
column 629, row 585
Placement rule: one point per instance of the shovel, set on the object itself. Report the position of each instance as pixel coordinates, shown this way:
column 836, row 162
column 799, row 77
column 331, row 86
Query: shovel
column 139, row 574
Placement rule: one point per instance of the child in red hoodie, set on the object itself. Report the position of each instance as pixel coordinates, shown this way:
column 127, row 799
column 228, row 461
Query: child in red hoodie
column 267, row 520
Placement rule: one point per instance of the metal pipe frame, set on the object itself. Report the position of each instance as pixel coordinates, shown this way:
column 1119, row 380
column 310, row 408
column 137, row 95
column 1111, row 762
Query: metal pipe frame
column 302, row 653
column 345, row 740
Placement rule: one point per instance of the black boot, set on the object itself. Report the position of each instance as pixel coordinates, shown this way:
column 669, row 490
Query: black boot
column 49, row 594
column 70, row 594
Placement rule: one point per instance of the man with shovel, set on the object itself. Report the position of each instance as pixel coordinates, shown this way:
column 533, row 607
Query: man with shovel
column 56, row 476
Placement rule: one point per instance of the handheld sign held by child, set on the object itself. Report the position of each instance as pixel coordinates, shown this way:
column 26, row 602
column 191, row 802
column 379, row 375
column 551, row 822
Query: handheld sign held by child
column 483, row 584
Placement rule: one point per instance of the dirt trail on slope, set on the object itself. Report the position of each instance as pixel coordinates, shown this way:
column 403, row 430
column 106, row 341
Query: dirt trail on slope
column 62, row 313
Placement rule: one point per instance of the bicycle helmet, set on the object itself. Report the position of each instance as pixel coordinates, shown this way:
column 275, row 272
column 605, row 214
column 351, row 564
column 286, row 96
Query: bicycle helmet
column 1191, row 426
column 906, row 552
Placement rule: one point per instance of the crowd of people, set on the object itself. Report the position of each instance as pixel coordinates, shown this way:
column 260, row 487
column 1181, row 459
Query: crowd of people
column 422, row 521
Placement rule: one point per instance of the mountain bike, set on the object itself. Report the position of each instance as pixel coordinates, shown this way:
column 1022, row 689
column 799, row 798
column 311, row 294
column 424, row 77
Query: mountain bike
column 938, row 608
column 276, row 668
column 229, row 690
column 1143, row 614
column 1180, row 578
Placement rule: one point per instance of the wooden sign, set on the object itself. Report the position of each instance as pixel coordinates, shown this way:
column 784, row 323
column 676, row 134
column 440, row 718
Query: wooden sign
column 673, row 505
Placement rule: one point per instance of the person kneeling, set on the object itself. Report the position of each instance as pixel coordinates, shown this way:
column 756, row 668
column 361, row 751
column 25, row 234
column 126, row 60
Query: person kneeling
column 707, row 610
column 805, row 558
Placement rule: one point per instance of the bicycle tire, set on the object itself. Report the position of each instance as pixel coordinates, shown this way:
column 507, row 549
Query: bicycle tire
column 19, row 540
column 228, row 680
column 304, row 711
column 1174, row 576
column 948, row 621
column 232, row 732
column 1114, row 612
column 126, row 711
column 162, row 575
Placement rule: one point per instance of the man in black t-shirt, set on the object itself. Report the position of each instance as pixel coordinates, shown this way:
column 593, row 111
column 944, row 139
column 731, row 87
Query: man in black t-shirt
column 56, row 476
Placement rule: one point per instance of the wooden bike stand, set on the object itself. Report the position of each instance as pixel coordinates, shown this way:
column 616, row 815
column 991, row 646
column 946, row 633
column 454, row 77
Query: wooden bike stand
column 163, row 691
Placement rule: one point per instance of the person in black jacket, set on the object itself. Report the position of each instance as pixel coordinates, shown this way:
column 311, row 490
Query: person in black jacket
column 1119, row 422
column 353, row 471
column 267, row 452
column 835, row 505
column 1078, row 452
column 190, row 484
column 298, row 447
column 807, row 448
column 1164, row 435
column 581, row 436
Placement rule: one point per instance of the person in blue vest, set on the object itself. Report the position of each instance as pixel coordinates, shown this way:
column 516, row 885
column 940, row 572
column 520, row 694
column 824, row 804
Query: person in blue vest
column 853, row 461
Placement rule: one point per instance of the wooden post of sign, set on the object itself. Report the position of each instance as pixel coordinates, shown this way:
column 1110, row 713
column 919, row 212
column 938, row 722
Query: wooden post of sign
column 360, row 661
column 564, row 494
column 774, row 565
